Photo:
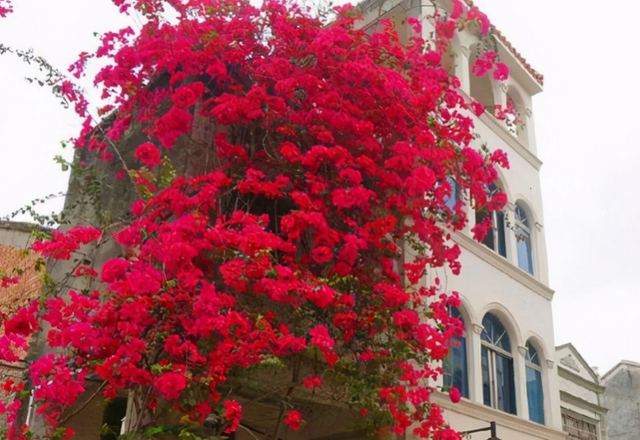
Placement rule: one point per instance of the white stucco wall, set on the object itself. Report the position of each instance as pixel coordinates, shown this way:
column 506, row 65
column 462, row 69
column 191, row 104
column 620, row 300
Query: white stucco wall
column 489, row 282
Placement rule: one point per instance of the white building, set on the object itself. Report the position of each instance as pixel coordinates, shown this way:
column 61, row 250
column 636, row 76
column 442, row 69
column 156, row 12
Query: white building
column 505, row 365
column 581, row 396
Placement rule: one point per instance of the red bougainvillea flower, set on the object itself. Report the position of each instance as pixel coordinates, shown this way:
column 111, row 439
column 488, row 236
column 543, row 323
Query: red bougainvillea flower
column 454, row 395
column 233, row 414
column 293, row 419
column 5, row 8
column 312, row 382
column 501, row 72
column 148, row 154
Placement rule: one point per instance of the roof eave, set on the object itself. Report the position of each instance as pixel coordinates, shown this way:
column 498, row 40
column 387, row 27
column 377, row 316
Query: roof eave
column 519, row 72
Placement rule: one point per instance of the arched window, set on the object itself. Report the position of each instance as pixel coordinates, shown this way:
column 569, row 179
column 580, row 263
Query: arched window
column 495, row 238
column 523, row 240
column 455, row 364
column 480, row 87
column 498, row 385
column 516, row 114
column 513, row 118
column 534, row 385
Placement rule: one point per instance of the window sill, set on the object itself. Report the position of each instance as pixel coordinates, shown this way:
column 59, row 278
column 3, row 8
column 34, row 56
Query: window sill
column 503, row 419
column 502, row 264
column 502, row 131
column 496, row 126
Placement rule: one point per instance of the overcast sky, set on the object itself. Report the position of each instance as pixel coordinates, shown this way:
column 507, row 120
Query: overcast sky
column 585, row 120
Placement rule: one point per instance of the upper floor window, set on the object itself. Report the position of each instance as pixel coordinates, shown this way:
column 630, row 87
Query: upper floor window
column 451, row 200
column 577, row 427
column 498, row 385
column 496, row 237
column 480, row 87
column 516, row 115
column 534, row 384
column 513, row 118
column 455, row 364
column 523, row 240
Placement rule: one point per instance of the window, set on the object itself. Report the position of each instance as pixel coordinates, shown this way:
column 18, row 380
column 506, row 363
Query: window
column 534, row 385
column 577, row 428
column 114, row 413
column 495, row 238
column 498, row 389
column 455, row 364
column 512, row 117
column 480, row 87
column 451, row 200
column 523, row 240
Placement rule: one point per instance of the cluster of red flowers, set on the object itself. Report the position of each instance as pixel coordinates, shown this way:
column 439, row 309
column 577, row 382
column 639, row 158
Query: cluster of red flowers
column 329, row 156
column 5, row 8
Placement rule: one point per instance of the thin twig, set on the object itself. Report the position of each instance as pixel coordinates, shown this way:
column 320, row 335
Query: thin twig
column 83, row 406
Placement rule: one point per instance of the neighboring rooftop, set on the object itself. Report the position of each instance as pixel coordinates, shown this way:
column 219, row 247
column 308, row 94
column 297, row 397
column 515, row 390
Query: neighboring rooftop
column 14, row 254
column 621, row 364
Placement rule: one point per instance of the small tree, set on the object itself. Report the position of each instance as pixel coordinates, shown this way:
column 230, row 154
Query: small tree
column 285, row 257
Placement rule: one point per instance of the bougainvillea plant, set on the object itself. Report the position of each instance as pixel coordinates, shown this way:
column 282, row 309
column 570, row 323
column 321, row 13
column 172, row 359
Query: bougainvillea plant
column 298, row 238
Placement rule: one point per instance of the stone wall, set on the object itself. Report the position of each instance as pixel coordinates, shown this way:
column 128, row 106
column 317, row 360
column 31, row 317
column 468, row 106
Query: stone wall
column 622, row 398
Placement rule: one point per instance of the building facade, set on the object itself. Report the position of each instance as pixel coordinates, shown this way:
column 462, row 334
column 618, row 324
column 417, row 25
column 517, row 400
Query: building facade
column 622, row 399
column 505, row 365
column 581, row 396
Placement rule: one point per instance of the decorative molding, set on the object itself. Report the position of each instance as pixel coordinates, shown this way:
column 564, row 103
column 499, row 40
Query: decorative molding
column 569, row 362
column 502, row 264
column 550, row 363
column 579, row 380
column 482, row 412
column 539, row 226
column 522, row 350
column 570, row 398
column 478, row 328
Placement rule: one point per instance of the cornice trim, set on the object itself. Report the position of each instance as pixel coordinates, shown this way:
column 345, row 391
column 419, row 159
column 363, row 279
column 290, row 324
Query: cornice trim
column 576, row 378
column 569, row 398
column 502, row 264
column 482, row 412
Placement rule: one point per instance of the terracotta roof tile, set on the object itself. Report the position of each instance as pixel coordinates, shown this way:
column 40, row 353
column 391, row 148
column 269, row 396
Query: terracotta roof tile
column 500, row 36
column 28, row 287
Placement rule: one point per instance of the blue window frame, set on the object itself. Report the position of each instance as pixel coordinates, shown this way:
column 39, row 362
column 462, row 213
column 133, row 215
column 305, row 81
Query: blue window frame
column 498, row 385
column 535, row 396
column 455, row 364
column 523, row 240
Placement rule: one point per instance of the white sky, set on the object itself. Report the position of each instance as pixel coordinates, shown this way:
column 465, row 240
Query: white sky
column 585, row 121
